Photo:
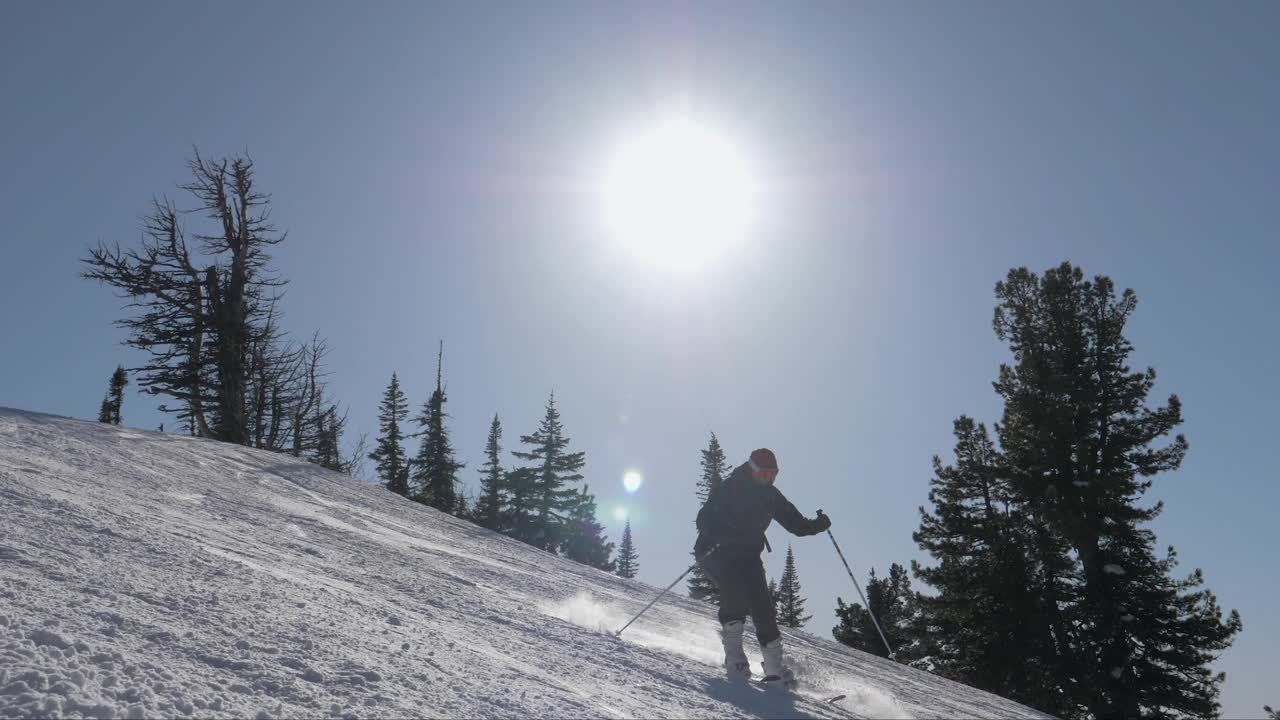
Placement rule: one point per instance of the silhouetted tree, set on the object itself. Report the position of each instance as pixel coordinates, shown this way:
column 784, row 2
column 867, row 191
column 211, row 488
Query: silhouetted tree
column 520, row 519
column 392, row 464
column 628, row 560
column 435, row 471
column 714, row 470
column 583, row 536
column 329, row 427
column 553, row 468
column 109, row 412
column 205, row 317
column 994, row 620
column 1078, row 439
column 493, row 494
column 790, row 601
column 894, row 605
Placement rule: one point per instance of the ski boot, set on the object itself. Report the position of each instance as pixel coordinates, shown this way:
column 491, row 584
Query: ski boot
column 736, row 666
column 776, row 673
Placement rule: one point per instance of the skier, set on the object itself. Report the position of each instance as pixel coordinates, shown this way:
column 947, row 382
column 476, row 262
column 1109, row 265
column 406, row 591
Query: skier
column 733, row 522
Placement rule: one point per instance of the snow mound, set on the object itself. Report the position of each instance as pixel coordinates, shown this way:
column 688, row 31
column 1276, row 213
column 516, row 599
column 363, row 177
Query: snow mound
column 156, row 575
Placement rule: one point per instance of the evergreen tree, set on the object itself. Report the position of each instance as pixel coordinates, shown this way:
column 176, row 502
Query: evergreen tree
column 119, row 381
column 893, row 602
column 628, row 560
column 393, row 466
column 992, row 620
column 329, row 426
column 1079, row 441
column 583, row 536
column 493, row 494
column 554, row 467
column 854, row 627
column 435, row 471
column 520, row 519
column 773, row 592
column 109, row 411
column 790, row 602
column 1271, row 714
column 714, row 471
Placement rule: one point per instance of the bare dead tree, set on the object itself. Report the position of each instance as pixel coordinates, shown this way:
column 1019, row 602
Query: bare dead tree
column 206, row 316
column 161, row 280
column 240, row 288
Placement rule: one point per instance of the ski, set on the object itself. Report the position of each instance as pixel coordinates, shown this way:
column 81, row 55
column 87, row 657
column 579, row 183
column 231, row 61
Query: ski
column 794, row 687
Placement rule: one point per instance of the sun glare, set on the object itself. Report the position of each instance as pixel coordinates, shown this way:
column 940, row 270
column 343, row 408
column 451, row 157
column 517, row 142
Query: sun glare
column 678, row 195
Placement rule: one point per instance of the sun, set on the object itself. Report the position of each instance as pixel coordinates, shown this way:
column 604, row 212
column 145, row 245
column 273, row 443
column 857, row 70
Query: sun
column 678, row 195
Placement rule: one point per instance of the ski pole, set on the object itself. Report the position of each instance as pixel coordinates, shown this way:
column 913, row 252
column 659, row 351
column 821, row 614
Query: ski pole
column 892, row 656
column 697, row 561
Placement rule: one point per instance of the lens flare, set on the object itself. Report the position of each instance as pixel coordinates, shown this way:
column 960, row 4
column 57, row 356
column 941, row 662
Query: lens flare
column 632, row 480
column 620, row 513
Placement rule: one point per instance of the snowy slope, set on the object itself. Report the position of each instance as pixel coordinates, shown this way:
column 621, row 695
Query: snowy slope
column 147, row 574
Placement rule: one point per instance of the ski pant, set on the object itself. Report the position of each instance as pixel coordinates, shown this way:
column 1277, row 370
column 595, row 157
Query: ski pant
column 743, row 590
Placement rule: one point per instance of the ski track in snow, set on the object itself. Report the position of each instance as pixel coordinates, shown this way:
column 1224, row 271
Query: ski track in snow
column 156, row 575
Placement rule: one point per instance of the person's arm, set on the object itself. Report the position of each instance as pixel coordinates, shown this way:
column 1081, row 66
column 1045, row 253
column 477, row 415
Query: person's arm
column 792, row 521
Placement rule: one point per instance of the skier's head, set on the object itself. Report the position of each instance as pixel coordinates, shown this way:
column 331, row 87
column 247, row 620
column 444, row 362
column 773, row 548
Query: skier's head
column 764, row 466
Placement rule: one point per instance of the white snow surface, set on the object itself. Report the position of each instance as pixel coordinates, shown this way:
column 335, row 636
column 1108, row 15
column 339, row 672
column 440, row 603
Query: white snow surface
column 157, row 575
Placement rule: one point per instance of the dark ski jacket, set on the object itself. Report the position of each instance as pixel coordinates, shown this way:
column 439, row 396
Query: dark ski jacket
column 738, row 512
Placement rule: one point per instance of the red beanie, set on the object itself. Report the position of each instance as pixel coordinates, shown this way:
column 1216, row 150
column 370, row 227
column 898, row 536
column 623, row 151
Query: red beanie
column 763, row 458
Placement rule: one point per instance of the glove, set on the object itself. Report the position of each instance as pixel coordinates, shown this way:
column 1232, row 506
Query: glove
column 821, row 523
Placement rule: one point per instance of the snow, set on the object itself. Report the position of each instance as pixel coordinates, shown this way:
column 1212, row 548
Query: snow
column 1112, row 569
column 155, row 575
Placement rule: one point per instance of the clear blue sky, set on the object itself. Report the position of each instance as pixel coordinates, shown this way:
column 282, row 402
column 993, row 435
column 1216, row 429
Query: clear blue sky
column 430, row 162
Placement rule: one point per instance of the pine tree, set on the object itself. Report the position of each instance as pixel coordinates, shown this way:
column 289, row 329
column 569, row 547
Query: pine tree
column 109, row 411
column 493, row 493
column 992, row 619
column 583, row 536
column 893, row 602
column 329, row 426
column 714, row 471
column 790, row 602
column 773, row 593
column 119, row 381
column 435, row 471
column 520, row 519
column 1271, row 714
column 104, row 410
column 1079, row 441
column 554, row 467
column 628, row 560
column 854, row 627
column 393, row 466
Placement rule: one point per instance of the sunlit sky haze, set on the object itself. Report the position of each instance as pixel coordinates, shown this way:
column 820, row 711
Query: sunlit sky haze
column 441, row 169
